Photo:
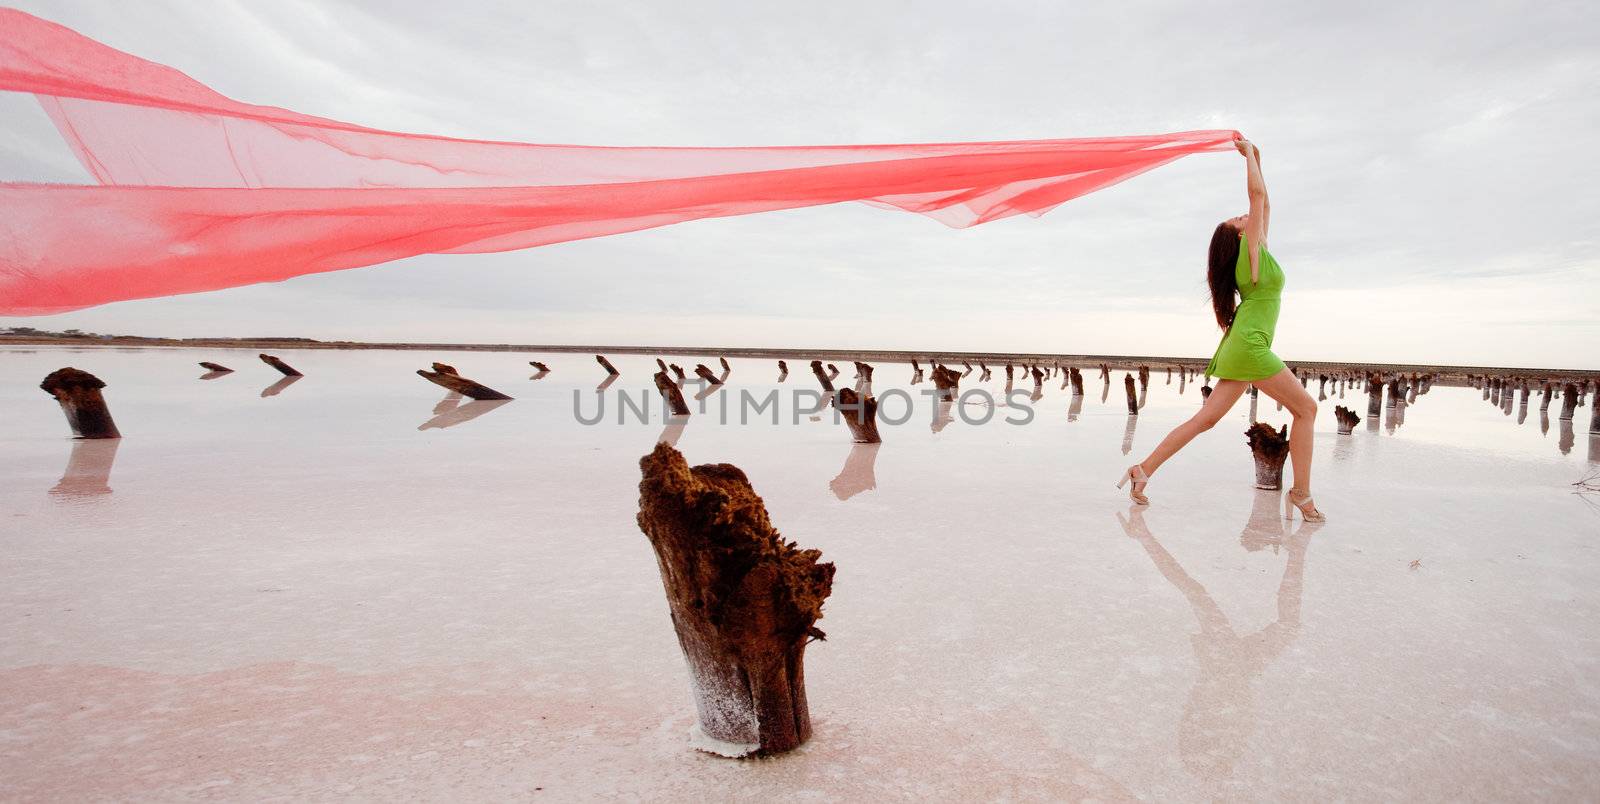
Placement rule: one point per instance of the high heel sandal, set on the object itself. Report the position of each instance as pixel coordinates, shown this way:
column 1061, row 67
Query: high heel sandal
column 1136, row 474
column 1308, row 508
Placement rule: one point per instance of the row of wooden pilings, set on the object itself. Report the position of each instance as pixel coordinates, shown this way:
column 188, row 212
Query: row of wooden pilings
column 744, row 600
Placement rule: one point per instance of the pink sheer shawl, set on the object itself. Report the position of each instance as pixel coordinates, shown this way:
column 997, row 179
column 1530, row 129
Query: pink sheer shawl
column 200, row 192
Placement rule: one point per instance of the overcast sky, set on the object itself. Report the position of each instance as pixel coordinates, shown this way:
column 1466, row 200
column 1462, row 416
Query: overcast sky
column 1432, row 169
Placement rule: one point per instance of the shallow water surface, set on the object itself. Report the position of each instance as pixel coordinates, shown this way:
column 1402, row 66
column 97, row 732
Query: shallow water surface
column 347, row 585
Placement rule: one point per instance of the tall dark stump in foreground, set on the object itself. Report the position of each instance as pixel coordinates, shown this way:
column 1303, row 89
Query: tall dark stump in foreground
column 1270, row 447
column 78, row 392
column 288, row 370
column 744, row 602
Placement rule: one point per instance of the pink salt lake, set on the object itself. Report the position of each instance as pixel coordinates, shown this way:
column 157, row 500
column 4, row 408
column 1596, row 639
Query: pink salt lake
column 348, row 589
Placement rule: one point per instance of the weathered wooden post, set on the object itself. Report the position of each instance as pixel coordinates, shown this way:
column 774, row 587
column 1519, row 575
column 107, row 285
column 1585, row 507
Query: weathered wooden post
column 606, row 364
column 671, row 394
column 540, row 366
column 946, row 381
column 1133, row 399
column 210, row 366
column 1374, row 396
column 1544, row 398
column 1077, row 382
column 285, row 368
column 726, row 369
column 1009, row 372
column 704, row 373
column 661, row 364
column 78, row 393
column 678, row 371
column 783, row 371
column 863, row 371
column 744, row 603
column 822, row 376
column 1038, row 380
column 968, row 367
column 1144, row 376
column 446, row 377
column 1346, row 418
column 1270, row 447
column 1569, row 402
column 860, row 415
column 833, row 372
column 1594, row 412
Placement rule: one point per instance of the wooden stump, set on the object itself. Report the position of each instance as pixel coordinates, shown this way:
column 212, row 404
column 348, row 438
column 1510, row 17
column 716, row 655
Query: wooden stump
column 1346, row 418
column 78, row 393
column 678, row 370
column 1374, row 396
column 863, row 371
column 860, row 415
column 946, row 381
column 1270, row 447
column 661, row 364
column 446, row 377
column 744, row 603
column 288, row 370
column 1594, row 412
column 671, row 394
column 1133, row 398
column 1009, row 372
column 1077, row 381
column 606, row 364
column 783, row 370
column 704, row 373
column 209, row 366
column 540, row 366
column 833, row 372
column 1144, row 376
column 822, row 376
column 1569, row 402
column 723, row 361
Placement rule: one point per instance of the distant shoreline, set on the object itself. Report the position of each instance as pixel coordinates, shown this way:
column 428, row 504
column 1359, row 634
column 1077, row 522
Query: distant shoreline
column 1118, row 362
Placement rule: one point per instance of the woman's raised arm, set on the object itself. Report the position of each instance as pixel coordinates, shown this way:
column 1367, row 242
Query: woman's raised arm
column 1260, row 208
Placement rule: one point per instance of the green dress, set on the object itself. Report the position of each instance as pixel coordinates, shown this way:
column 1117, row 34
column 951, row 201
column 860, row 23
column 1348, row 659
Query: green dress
column 1246, row 349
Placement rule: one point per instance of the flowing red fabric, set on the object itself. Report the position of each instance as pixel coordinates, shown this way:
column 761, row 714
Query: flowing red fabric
column 200, row 192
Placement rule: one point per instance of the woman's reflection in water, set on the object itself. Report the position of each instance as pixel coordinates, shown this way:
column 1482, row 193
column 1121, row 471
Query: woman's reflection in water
column 1220, row 713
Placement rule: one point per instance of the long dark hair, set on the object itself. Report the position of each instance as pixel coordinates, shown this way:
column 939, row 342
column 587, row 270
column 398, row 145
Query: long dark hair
column 1221, row 261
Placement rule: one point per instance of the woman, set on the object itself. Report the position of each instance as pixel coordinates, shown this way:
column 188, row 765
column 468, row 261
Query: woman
column 1239, row 263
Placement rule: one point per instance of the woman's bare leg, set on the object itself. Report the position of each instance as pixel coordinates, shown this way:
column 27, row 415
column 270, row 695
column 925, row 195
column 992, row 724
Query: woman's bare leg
column 1217, row 405
column 1285, row 388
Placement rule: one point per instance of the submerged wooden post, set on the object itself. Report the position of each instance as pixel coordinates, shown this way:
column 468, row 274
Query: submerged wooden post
column 744, row 603
column 704, row 373
column 661, row 364
column 1269, row 447
column 1346, row 418
column 1144, row 376
column 78, row 393
column 1594, row 412
column 1374, row 395
column 210, row 366
column 540, row 366
column 822, row 376
column 671, row 394
column 1077, row 381
column 446, row 377
column 1569, row 402
column 678, row 370
column 783, row 370
column 833, row 372
column 288, row 370
column 946, row 381
column 1133, row 397
column 860, row 415
column 606, row 364
column 863, row 371
column 727, row 369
